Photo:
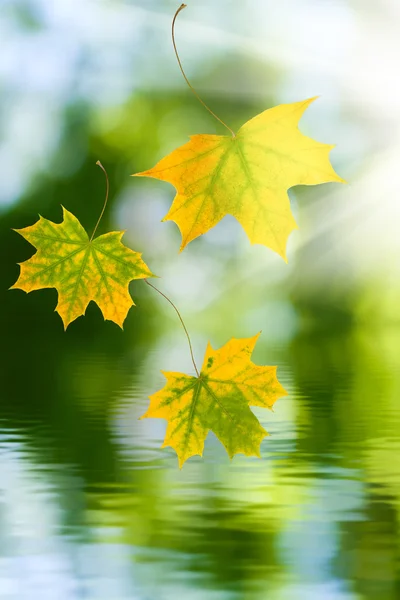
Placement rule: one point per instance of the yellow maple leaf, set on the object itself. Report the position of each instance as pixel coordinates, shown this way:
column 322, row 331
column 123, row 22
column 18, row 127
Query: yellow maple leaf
column 218, row 400
column 81, row 269
column 246, row 176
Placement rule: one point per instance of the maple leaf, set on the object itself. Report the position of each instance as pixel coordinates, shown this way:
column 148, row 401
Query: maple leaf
column 81, row 269
column 246, row 176
column 218, row 400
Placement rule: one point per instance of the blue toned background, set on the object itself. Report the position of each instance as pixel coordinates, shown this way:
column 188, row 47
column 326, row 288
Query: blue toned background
column 90, row 506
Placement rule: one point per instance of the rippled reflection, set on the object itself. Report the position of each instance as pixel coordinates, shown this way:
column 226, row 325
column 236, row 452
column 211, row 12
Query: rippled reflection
column 91, row 507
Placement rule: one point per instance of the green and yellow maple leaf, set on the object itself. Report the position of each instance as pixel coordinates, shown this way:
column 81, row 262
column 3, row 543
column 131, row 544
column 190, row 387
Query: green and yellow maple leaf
column 218, row 400
column 246, row 176
column 81, row 269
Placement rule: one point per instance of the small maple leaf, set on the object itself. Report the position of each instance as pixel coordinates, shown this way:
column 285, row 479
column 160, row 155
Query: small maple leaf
column 246, row 176
column 218, row 400
column 80, row 269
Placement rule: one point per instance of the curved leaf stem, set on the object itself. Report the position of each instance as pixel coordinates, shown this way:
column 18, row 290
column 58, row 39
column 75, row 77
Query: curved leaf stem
column 106, row 200
column 185, row 77
column 181, row 320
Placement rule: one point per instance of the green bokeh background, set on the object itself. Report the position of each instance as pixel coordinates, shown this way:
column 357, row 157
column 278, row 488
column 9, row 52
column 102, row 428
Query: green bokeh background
column 90, row 506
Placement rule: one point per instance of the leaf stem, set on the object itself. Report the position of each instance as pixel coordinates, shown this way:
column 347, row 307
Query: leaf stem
column 185, row 77
column 181, row 320
column 106, row 200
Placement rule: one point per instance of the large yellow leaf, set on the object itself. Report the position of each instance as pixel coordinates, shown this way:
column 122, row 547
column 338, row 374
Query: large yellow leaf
column 246, row 176
column 81, row 270
column 217, row 400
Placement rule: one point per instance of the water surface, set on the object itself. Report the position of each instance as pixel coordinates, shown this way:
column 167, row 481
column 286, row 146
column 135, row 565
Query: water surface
column 92, row 507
